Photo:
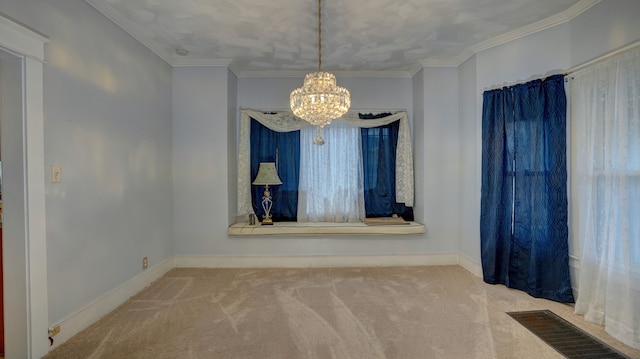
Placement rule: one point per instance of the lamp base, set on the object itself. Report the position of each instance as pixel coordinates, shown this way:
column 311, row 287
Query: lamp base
column 267, row 222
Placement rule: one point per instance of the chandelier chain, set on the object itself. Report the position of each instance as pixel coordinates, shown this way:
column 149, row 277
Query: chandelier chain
column 319, row 37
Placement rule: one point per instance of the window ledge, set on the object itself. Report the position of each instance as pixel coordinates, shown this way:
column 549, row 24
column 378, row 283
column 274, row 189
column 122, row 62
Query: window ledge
column 324, row 228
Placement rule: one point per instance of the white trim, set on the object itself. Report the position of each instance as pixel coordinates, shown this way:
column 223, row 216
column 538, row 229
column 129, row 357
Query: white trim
column 311, row 261
column 88, row 315
column 29, row 45
column 186, row 62
column 470, row 265
column 20, row 39
column 323, row 228
column 82, row 319
column 339, row 74
column 35, row 215
column 415, row 68
column 538, row 26
column 132, row 29
column 574, row 262
column 557, row 19
column 574, row 270
column 447, row 61
column 604, row 57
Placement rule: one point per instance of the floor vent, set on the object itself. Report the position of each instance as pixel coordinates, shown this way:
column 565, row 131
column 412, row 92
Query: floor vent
column 563, row 336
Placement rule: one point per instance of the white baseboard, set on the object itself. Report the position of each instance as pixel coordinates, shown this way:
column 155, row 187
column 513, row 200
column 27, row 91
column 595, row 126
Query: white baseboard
column 316, row 261
column 108, row 302
column 102, row 306
column 329, row 261
column 574, row 262
column 574, row 270
column 472, row 266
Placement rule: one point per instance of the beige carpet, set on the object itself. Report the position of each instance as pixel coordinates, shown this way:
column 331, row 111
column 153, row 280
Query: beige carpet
column 411, row 312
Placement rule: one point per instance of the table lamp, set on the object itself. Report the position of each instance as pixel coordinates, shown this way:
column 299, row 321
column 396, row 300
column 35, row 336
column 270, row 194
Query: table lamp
column 267, row 176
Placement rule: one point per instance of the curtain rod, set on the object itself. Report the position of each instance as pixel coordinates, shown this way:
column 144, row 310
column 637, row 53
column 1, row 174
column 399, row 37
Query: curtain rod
column 520, row 82
column 604, row 57
column 350, row 110
column 572, row 70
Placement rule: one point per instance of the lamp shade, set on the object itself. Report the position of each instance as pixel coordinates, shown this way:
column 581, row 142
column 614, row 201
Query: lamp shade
column 267, row 174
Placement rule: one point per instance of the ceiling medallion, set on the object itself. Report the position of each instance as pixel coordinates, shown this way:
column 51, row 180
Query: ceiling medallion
column 320, row 100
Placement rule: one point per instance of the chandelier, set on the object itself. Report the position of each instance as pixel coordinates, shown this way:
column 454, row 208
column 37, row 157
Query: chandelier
column 320, row 100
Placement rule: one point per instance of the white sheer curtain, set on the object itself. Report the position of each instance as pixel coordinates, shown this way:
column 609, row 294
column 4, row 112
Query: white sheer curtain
column 606, row 118
column 331, row 180
column 283, row 121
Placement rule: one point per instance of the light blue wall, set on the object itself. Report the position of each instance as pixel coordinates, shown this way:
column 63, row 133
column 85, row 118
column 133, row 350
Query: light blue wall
column 447, row 143
column 440, row 157
column 529, row 57
column 200, row 159
column 605, row 27
column 419, row 143
column 608, row 26
column 232, row 146
column 366, row 93
column 148, row 153
column 108, row 124
column 470, row 136
column 200, row 213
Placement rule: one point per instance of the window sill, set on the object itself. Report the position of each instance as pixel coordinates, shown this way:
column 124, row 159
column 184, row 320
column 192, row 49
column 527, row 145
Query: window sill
column 324, row 228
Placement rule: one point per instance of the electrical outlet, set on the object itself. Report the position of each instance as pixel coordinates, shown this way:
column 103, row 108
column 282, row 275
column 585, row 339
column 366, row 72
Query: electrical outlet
column 54, row 330
column 145, row 263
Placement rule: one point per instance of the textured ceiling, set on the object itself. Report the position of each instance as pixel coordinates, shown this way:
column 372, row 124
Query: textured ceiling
column 358, row 35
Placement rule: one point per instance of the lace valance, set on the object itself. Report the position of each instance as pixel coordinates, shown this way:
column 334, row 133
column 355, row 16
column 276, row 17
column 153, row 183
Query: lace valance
column 285, row 121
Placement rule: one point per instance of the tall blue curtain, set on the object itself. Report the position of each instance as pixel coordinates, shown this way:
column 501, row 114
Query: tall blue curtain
column 379, row 167
column 284, row 149
column 523, row 219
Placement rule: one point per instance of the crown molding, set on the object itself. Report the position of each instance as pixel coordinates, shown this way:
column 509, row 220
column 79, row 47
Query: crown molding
column 557, row 19
column 186, row 62
column 235, row 69
column 341, row 74
column 632, row 46
column 415, row 68
column 131, row 28
column 449, row 61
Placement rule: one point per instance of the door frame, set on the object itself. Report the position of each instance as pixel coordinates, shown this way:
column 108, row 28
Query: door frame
column 28, row 301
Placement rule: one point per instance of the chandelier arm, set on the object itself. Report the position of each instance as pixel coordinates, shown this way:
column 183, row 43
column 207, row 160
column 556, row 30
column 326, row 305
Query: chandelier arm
column 319, row 37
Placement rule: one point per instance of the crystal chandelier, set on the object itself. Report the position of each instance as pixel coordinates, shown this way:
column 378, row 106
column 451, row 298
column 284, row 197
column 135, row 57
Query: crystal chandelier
column 320, row 100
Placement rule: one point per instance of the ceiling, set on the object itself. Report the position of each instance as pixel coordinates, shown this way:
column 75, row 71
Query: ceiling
column 359, row 36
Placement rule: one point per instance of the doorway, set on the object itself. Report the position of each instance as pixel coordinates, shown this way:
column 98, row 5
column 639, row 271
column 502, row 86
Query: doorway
column 11, row 104
column 10, row 113
column 24, row 254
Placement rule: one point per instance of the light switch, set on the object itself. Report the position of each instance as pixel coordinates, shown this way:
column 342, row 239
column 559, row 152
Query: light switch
column 56, row 173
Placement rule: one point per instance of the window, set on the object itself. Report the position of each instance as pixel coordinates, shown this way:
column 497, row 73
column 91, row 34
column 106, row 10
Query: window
column 331, row 175
column 606, row 113
column 278, row 133
column 523, row 218
column 606, row 120
column 379, row 145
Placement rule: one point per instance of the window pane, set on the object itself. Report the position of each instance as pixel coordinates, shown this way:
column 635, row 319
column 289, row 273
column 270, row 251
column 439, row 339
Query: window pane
column 330, row 187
